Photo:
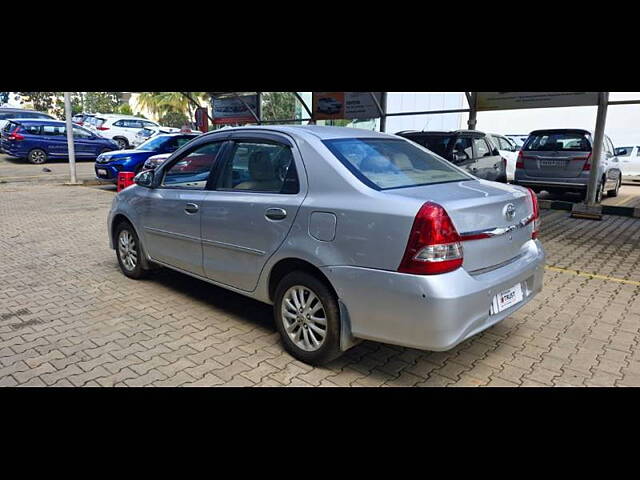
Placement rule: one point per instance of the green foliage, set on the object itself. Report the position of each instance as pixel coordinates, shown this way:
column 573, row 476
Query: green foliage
column 278, row 106
column 40, row 101
column 102, row 102
column 125, row 109
column 161, row 103
column 93, row 102
column 174, row 119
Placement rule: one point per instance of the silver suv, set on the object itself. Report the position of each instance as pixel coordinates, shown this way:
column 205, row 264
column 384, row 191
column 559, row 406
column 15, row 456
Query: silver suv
column 559, row 161
column 349, row 234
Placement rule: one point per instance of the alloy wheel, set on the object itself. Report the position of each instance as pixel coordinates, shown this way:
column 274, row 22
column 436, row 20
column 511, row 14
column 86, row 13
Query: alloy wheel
column 304, row 318
column 127, row 250
column 38, row 156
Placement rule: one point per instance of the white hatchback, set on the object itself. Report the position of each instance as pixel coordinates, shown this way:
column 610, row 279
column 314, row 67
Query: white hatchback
column 121, row 128
column 629, row 162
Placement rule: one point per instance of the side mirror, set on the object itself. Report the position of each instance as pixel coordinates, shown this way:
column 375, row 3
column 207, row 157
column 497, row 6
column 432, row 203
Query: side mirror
column 144, row 179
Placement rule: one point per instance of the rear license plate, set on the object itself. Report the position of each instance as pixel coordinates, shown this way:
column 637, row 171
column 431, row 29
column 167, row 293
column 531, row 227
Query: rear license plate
column 102, row 171
column 507, row 298
column 552, row 163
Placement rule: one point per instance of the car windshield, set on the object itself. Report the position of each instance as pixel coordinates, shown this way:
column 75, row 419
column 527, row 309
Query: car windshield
column 387, row 163
column 558, row 142
column 153, row 144
column 436, row 143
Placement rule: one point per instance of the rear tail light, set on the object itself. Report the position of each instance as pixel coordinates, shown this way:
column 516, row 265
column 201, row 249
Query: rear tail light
column 15, row 135
column 535, row 217
column 102, row 128
column 520, row 161
column 587, row 165
column 434, row 244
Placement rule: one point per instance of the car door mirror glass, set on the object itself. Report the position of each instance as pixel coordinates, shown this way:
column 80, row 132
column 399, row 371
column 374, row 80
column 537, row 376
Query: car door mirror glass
column 144, row 179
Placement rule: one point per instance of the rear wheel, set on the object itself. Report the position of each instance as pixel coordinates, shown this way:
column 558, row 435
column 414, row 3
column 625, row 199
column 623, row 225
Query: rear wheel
column 37, row 156
column 307, row 316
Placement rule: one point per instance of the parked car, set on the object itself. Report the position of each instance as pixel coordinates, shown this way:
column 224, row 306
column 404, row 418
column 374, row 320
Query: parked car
column 350, row 234
column 559, row 160
column 155, row 161
column 82, row 118
column 629, row 158
column 508, row 150
column 108, row 166
column 7, row 113
column 41, row 140
column 329, row 105
column 518, row 140
column 471, row 150
column 120, row 128
column 147, row 132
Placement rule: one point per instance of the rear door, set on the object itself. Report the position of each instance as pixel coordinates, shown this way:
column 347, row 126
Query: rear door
column 83, row 143
column 259, row 188
column 54, row 140
column 488, row 162
column 556, row 154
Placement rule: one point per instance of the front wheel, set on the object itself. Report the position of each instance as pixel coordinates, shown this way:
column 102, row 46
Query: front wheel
column 122, row 143
column 129, row 251
column 307, row 316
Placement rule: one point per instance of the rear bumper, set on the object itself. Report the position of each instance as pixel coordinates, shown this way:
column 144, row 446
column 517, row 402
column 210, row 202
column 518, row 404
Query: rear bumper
column 565, row 183
column 431, row 312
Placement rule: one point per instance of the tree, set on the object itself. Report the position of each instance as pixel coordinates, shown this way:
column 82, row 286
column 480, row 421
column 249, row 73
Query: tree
column 41, row 101
column 125, row 109
column 161, row 103
column 102, row 102
column 174, row 119
column 278, row 105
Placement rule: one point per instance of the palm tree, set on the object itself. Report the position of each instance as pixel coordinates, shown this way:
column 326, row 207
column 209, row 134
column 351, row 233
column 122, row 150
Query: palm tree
column 160, row 103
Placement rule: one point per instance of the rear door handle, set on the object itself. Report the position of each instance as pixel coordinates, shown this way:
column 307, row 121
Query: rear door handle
column 276, row 213
column 191, row 208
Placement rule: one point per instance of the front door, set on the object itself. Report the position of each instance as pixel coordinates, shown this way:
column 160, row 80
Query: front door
column 55, row 137
column 83, row 144
column 172, row 212
column 488, row 160
column 251, row 209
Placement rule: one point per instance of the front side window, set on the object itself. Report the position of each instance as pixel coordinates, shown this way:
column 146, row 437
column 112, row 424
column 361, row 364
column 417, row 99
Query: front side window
column 385, row 164
column 192, row 171
column 259, row 167
column 623, row 151
column 482, row 150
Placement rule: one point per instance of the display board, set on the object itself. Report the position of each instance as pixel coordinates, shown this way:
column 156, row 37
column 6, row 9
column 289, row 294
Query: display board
column 515, row 100
column 348, row 105
column 231, row 109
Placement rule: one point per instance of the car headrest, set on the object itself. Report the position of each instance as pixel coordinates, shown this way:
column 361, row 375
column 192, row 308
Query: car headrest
column 401, row 160
column 376, row 163
column 260, row 167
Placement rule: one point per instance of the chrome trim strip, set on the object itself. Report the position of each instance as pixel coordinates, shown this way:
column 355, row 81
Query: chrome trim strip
column 232, row 246
column 498, row 231
column 172, row 234
column 543, row 183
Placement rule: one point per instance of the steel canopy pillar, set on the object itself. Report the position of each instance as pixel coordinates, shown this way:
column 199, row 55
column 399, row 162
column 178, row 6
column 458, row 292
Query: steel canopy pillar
column 71, row 146
column 598, row 139
column 473, row 114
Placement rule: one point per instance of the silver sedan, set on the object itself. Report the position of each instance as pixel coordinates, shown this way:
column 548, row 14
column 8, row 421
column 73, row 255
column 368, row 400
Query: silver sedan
column 349, row 234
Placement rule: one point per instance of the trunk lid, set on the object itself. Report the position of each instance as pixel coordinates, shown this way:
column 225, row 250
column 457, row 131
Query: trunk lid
column 477, row 206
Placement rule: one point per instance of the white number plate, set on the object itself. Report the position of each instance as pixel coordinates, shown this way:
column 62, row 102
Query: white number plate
column 507, row 298
column 102, row 171
column 552, row 163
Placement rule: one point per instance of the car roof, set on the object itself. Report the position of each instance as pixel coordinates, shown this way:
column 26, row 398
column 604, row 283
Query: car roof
column 318, row 131
column 439, row 132
column 561, row 130
column 13, row 109
column 44, row 121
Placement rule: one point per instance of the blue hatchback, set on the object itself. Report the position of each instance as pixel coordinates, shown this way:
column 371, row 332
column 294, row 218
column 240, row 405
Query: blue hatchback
column 40, row 140
column 108, row 165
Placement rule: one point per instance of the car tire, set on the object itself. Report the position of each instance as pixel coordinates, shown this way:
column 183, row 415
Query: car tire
column 37, row 156
column 599, row 192
column 314, row 342
column 129, row 251
column 123, row 143
column 614, row 192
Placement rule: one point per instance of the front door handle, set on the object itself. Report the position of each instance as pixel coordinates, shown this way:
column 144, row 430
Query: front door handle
column 276, row 213
column 191, row 208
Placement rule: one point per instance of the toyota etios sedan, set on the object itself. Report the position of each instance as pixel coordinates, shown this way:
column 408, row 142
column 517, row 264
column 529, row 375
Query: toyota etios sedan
column 350, row 234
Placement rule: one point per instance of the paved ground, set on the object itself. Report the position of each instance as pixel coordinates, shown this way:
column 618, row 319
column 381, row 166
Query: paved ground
column 13, row 170
column 69, row 317
column 629, row 196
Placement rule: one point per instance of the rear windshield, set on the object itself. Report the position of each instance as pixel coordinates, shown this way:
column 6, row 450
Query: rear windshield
column 9, row 127
column 436, row 143
column 386, row 163
column 558, row 142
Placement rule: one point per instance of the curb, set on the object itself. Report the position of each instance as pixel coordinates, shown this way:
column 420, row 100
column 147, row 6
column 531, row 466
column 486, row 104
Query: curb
column 606, row 209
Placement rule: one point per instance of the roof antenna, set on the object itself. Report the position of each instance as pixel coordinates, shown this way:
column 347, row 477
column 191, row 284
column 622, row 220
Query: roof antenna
column 427, row 124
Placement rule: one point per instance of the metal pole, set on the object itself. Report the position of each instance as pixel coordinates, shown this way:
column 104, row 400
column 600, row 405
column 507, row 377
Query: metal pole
column 598, row 137
column 72, row 151
column 383, row 117
column 472, row 110
column 259, row 107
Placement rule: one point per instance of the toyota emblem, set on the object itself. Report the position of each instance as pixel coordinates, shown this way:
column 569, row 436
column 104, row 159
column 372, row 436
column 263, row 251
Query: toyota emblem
column 509, row 211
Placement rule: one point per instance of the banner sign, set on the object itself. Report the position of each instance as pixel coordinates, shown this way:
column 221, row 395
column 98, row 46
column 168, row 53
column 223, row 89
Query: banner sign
column 515, row 100
column 349, row 105
column 232, row 110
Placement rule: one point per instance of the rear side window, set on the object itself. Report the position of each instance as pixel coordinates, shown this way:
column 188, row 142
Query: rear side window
column 558, row 142
column 482, row 149
column 386, row 163
column 436, row 143
column 32, row 129
column 53, row 130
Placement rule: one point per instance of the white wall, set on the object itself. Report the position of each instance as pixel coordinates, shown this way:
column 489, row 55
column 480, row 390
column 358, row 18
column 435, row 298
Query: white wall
column 423, row 101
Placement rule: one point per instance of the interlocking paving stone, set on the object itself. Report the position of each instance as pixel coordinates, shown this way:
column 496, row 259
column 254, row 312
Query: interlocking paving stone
column 68, row 317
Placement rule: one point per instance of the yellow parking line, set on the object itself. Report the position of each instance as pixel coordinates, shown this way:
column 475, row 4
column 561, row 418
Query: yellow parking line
column 591, row 275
